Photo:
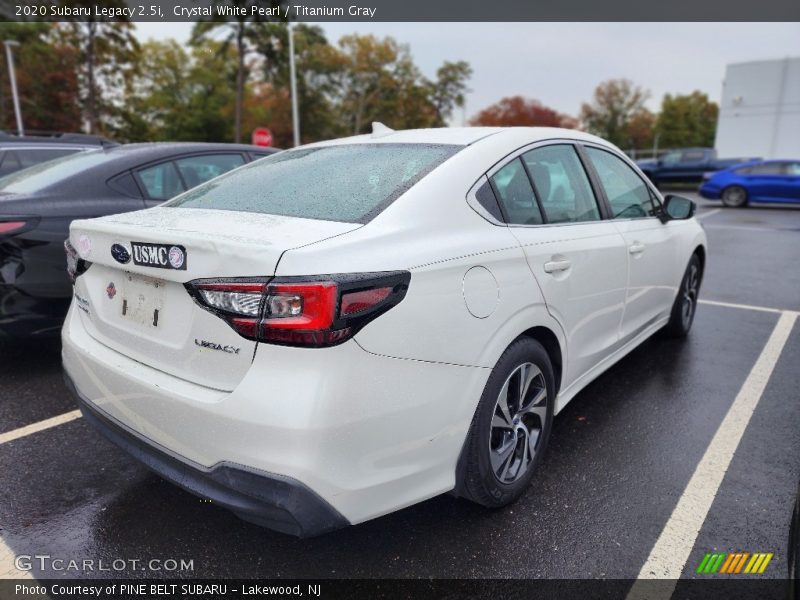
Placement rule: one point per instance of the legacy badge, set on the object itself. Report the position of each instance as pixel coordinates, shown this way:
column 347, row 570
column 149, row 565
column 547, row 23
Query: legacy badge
column 161, row 256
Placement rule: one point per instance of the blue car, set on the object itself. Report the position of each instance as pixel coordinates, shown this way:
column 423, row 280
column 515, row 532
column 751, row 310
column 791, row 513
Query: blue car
column 757, row 181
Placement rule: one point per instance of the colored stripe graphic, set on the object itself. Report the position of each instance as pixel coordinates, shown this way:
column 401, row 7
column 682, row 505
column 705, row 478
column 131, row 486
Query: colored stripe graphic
column 733, row 563
column 727, row 564
column 703, row 563
column 741, row 562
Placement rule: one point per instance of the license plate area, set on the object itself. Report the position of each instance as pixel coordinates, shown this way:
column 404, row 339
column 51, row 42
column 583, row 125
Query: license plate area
column 143, row 300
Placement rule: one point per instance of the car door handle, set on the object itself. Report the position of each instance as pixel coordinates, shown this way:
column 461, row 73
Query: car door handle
column 636, row 248
column 557, row 265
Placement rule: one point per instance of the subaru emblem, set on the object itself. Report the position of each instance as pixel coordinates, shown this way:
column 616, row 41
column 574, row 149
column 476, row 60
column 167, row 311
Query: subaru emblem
column 120, row 253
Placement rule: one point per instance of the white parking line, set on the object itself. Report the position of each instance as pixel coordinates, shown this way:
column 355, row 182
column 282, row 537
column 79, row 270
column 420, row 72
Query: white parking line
column 708, row 214
column 668, row 557
column 745, row 306
column 8, row 569
column 748, row 228
column 15, row 434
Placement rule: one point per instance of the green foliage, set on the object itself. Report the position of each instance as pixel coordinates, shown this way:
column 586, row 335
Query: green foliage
column 615, row 104
column 233, row 76
column 687, row 120
column 181, row 96
column 239, row 33
column 108, row 57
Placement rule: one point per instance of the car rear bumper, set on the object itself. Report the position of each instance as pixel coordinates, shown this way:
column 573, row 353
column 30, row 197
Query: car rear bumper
column 366, row 434
column 270, row 500
column 22, row 315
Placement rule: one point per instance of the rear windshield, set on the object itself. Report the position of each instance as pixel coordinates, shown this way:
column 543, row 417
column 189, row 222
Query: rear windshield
column 349, row 183
column 38, row 177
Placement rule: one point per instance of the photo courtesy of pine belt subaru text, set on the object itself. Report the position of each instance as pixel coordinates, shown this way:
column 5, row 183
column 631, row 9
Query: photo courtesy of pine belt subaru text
column 347, row 328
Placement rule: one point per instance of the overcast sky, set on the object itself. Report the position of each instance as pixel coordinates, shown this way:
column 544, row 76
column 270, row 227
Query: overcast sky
column 561, row 63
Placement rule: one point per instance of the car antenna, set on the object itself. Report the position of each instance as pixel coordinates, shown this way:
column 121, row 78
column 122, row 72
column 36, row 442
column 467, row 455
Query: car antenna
column 380, row 130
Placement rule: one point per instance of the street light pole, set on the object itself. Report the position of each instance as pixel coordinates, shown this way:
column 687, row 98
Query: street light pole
column 293, row 85
column 12, row 76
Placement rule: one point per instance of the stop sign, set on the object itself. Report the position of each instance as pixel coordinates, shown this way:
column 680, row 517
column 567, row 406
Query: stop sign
column 261, row 137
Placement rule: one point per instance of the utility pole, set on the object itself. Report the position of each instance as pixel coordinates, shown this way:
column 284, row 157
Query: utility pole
column 293, row 85
column 12, row 76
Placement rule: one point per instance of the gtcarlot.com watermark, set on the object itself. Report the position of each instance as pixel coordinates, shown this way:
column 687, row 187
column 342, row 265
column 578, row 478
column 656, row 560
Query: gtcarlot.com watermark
column 48, row 563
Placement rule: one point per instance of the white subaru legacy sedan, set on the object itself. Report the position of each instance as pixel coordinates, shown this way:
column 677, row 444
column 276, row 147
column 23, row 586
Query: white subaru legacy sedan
column 344, row 329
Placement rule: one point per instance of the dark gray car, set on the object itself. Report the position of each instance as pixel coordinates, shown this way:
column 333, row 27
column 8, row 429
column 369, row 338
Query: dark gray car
column 38, row 204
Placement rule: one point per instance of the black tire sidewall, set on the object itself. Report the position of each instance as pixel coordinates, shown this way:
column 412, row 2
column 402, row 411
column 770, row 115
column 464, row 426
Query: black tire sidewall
column 676, row 326
column 491, row 491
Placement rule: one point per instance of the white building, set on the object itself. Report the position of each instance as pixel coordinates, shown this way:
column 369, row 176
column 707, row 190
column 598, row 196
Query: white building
column 760, row 110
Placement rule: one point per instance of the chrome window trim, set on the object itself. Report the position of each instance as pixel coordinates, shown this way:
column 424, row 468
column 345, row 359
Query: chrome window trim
column 472, row 201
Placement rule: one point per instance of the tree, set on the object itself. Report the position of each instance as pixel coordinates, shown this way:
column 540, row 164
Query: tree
column 239, row 30
column 613, row 106
column 447, row 92
column 108, row 51
column 315, row 84
column 46, row 79
column 371, row 79
column 641, row 129
column 687, row 120
column 181, row 96
column 519, row 111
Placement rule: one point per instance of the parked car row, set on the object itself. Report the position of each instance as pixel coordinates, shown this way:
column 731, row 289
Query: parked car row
column 66, row 180
column 756, row 181
column 735, row 181
column 687, row 165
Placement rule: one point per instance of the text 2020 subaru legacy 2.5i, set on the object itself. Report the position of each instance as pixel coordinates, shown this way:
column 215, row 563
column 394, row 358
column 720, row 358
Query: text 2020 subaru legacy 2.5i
column 350, row 327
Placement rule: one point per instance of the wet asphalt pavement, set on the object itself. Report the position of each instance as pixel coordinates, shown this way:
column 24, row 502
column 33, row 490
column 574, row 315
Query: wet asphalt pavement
column 620, row 456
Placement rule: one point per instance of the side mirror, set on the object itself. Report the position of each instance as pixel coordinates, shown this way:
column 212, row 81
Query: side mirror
column 677, row 208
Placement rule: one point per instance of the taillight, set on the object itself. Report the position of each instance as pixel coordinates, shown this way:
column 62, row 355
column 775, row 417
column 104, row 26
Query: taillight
column 76, row 266
column 10, row 226
column 301, row 311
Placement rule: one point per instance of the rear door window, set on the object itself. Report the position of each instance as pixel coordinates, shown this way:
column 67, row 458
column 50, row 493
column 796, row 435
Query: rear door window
column 767, row 169
column 561, row 184
column 199, row 169
column 161, row 182
column 348, row 183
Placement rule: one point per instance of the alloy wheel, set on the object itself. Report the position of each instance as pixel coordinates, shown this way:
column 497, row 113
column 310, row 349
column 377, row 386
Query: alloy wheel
column 690, row 290
column 517, row 423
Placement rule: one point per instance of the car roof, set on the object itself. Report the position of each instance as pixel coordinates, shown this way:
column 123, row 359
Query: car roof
column 36, row 145
column 123, row 158
column 461, row 136
column 58, row 139
column 758, row 161
column 170, row 147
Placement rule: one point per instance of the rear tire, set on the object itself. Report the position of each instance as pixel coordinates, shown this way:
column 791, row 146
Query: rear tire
column 511, row 427
column 734, row 196
column 685, row 305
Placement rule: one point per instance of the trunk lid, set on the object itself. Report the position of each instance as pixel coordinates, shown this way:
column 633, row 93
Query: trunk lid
column 134, row 301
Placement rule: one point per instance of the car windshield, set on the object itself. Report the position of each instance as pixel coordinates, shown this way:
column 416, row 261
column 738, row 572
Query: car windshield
column 38, row 177
column 349, row 183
